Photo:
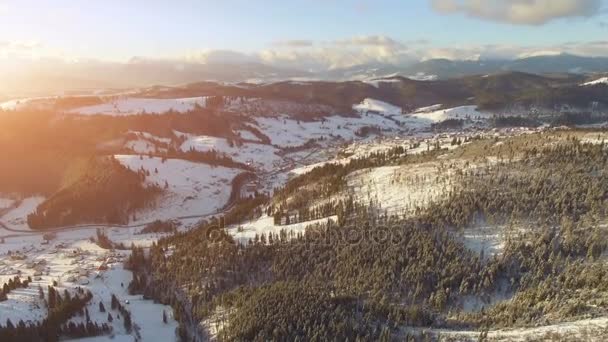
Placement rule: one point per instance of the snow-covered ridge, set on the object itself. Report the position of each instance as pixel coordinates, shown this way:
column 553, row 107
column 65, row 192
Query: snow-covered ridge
column 603, row 80
column 134, row 106
column 450, row 113
column 376, row 82
column 372, row 105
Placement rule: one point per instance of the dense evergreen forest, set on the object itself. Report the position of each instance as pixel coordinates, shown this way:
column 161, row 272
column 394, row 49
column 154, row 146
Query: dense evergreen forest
column 369, row 275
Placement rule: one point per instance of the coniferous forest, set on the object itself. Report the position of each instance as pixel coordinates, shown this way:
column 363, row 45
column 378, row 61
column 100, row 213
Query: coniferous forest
column 370, row 275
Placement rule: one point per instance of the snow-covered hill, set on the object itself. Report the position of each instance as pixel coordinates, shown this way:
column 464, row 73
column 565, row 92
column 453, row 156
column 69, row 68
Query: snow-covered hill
column 134, row 106
column 190, row 188
column 258, row 155
column 603, row 80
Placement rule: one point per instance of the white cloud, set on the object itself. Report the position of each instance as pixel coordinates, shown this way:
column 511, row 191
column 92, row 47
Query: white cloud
column 341, row 53
column 373, row 40
column 526, row 12
column 319, row 55
column 294, row 43
column 220, row 56
column 20, row 49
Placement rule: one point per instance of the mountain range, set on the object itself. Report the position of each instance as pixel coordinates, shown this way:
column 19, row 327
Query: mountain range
column 58, row 76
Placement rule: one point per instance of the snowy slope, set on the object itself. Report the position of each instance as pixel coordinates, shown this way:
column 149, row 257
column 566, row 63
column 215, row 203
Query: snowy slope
column 285, row 132
column 376, row 105
column 399, row 189
column 13, row 104
column 247, row 135
column 6, row 203
column 17, row 217
column 603, row 80
column 193, row 188
column 265, row 225
column 73, row 261
column 463, row 112
column 376, row 82
column 134, row 106
column 428, row 109
column 146, row 143
column 18, row 104
column 259, row 155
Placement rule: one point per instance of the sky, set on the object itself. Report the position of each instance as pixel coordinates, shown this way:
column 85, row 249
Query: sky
column 313, row 33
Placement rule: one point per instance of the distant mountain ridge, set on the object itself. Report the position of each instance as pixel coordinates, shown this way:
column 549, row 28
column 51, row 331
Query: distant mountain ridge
column 65, row 77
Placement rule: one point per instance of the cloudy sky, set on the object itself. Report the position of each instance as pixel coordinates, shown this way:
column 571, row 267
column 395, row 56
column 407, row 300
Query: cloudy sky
column 299, row 33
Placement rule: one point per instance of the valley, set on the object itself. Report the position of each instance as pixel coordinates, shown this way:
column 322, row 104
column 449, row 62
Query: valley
column 198, row 213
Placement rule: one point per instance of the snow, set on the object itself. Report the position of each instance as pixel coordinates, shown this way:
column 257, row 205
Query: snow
column 247, row 135
column 140, row 146
column 451, row 113
column 376, row 82
column 152, row 137
column 73, row 261
column 22, row 304
column 580, row 330
column 134, row 106
column 421, row 76
column 193, row 188
column 428, row 109
column 400, row 190
column 146, row 143
column 487, row 240
column 286, row 132
column 6, row 203
column 18, row 104
column 146, row 315
column 265, row 225
column 603, row 80
column 13, row 104
column 378, row 106
column 17, row 217
column 259, row 155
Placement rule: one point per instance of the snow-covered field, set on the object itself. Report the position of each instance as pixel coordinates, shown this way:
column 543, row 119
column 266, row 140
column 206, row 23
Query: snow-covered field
column 190, row 188
column 134, row 106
